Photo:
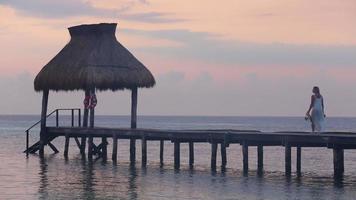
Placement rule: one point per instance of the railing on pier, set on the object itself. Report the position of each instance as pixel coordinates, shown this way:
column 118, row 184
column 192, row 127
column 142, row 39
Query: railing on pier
column 56, row 112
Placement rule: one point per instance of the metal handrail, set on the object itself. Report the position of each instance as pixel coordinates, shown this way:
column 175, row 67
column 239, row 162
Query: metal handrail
column 57, row 114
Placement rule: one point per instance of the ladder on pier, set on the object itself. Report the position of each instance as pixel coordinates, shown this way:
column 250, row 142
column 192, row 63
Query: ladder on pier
column 36, row 146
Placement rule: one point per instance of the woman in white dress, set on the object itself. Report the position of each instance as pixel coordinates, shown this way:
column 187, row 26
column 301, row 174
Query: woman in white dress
column 316, row 112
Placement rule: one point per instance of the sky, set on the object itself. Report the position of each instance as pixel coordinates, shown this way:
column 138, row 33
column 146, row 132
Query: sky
column 219, row 58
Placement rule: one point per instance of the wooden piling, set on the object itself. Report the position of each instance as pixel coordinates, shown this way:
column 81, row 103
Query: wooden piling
column 83, row 144
column 144, row 151
column 245, row 156
column 338, row 158
column 191, row 154
column 214, row 149
column 176, row 155
column 288, row 159
column 104, row 152
column 114, row 147
column 299, row 161
column 66, row 146
column 132, row 151
column 260, row 158
column 223, row 155
column 90, row 148
column 43, row 135
column 161, row 149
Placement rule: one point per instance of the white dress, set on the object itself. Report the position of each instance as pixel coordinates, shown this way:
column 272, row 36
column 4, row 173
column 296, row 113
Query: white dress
column 317, row 115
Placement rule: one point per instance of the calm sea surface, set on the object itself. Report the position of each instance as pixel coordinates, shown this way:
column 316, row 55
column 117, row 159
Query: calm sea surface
column 56, row 178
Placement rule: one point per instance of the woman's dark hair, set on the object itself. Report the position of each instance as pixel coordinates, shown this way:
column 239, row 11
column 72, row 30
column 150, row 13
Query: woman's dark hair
column 316, row 89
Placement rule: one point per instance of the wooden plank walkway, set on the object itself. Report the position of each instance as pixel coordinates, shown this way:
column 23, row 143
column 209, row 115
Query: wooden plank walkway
column 345, row 140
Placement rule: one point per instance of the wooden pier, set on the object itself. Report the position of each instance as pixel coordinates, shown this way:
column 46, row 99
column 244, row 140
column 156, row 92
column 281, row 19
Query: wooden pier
column 338, row 141
column 114, row 68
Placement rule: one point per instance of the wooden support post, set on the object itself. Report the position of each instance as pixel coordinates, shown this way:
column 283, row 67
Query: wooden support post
column 132, row 151
column 83, row 143
column 288, row 159
column 260, row 158
column 133, row 124
column 43, row 134
column 86, row 111
column 161, row 149
column 57, row 118
column 55, row 150
column 78, row 143
column 92, row 111
column 79, row 118
column 104, row 150
column 338, row 154
column 214, row 149
column 191, row 154
column 66, row 146
column 176, row 155
column 245, row 156
column 223, row 155
column 72, row 117
column 144, row 151
column 85, row 124
column 90, row 148
column 114, row 147
column 27, row 142
column 134, row 108
column 299, row 161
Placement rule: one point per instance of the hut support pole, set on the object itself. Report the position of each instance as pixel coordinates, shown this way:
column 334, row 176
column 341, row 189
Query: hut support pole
column 288, row 159
column 43, row 134
column 133, row 124
column 92, row 112
column 114, row 147
column 260, row 158
column 161, row 149
column 176, row 155
column 90, row 140
column 144, row 151
column 85, row 124
column 191, row 154
column 338, row 154
column 299, row 161
column 214, row 148
column 245, row 156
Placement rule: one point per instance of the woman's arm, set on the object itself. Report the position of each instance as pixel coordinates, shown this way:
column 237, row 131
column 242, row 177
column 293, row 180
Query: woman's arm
column 322, row 105
column 311, row 105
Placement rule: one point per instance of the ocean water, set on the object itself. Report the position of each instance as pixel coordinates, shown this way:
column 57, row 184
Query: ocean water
column 54, row 177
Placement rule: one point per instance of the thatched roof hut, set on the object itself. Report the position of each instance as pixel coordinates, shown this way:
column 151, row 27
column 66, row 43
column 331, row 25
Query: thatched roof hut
column 93, row 58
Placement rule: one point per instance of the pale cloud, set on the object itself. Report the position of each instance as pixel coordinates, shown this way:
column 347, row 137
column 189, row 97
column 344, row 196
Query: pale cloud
column 208, row 47
column 76, row 8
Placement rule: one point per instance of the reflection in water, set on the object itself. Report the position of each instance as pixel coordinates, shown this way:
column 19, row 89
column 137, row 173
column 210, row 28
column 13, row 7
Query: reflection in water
column 88, row 179
column 43, row 178
column 132, row 191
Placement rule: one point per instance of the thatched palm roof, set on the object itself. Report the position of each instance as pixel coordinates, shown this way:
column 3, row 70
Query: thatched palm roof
column 93, row 59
